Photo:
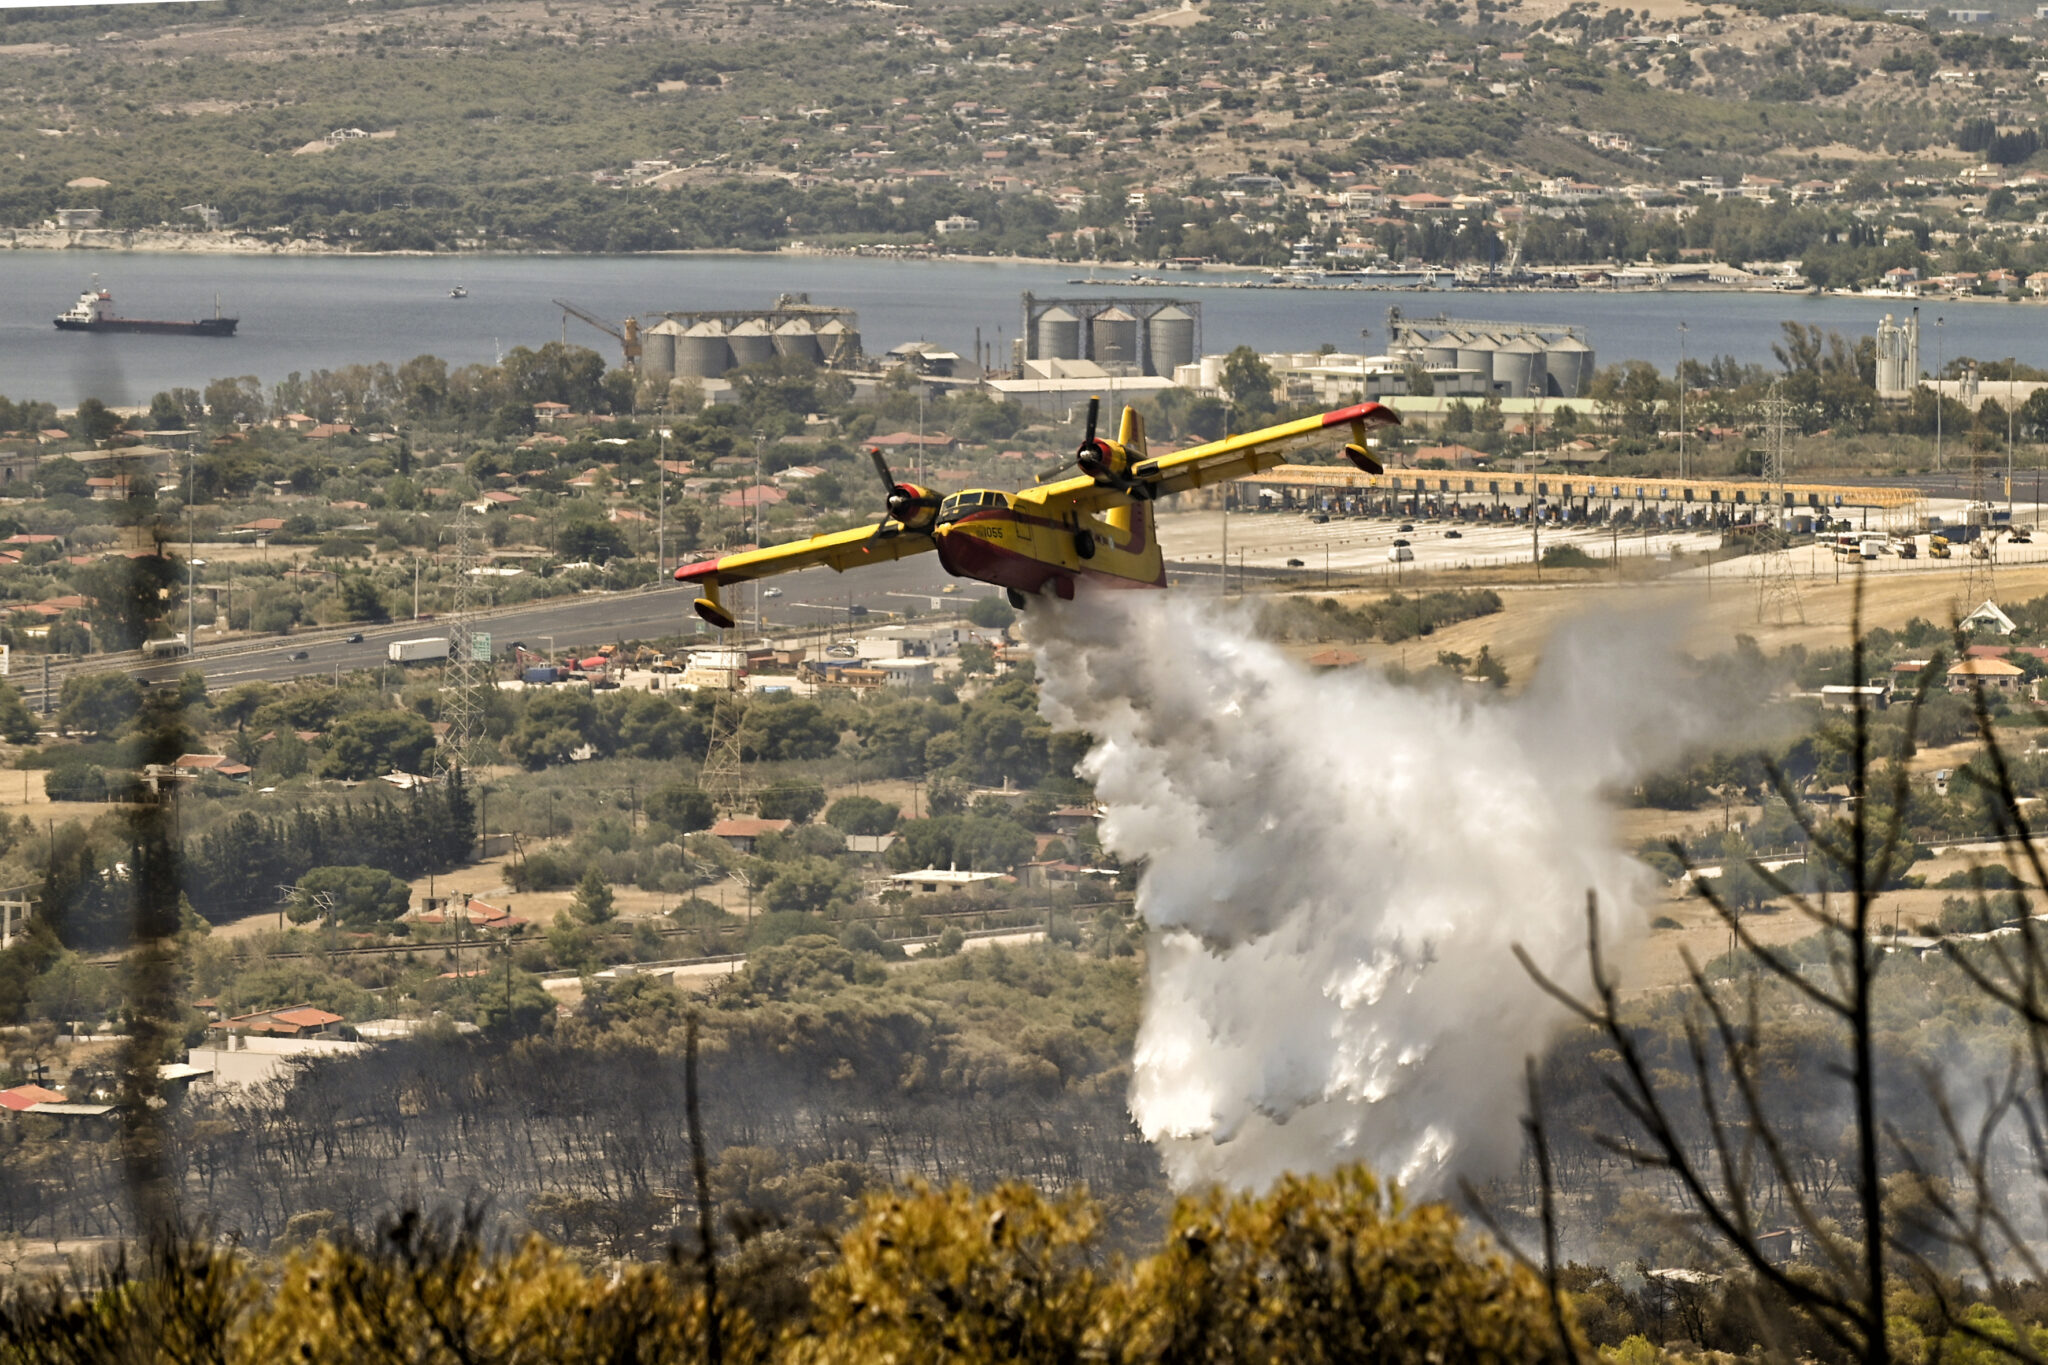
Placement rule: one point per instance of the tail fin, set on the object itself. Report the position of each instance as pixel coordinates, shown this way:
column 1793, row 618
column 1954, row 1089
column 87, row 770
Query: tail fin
column 1131, row 436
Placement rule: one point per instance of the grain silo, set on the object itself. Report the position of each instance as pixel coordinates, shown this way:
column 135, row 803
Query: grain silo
column 1568, row 365
column 1115, row 334
column 798, row 340
column 658, row 349
column 1059, row 335
column 1518, row 368
column 1440, row 353
column 1171, row 333
column 751, row 343
column 1475, row 352
column 838, row 344
column 701, row 352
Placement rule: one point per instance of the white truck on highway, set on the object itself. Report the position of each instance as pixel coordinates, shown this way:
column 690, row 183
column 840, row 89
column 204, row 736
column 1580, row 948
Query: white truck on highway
column 417, row 651
column 166, row 649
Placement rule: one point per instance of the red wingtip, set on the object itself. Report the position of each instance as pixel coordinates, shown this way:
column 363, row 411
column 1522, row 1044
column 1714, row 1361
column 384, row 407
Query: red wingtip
column 694, row 573
column 1370, row 413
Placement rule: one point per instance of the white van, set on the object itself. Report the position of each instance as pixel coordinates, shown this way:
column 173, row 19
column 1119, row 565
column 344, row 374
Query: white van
column 1400, row 554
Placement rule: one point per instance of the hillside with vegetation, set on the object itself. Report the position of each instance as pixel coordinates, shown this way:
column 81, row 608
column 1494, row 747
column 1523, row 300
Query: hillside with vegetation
column 1501, row 135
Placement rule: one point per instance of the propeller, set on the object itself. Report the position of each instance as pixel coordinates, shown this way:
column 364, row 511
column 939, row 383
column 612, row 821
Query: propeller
column 904, row 501
column 1093, row 457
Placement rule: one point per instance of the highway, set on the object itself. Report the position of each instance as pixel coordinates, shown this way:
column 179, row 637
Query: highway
column 808, row 601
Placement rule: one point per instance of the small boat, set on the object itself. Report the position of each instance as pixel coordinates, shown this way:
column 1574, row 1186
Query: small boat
column 458, row 292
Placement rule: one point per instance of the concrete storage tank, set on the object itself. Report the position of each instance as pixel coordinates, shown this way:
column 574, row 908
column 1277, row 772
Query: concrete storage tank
column 1059, row 335
column 658, row 349
column 1518, row 369
column 1475, row 352
column 1172, row 335
column 1440, row 353
column 798, row 340
column 1568, row 363
column 702, row 353
column 751, row 343
column 1115, row 334
column 838, row 344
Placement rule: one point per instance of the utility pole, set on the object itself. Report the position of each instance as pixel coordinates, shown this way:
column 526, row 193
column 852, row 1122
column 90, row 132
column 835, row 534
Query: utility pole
column 1777, row 584
column 1938, row 366
column 191, row 545
column 661, row 500
column 1681, row 400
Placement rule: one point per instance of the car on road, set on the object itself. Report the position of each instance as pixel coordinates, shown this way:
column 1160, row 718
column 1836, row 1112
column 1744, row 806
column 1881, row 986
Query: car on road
column 1454, row 535
column 1399, row 543
column 299, row 654
column 356, row 638
column 1295, row 564
column 771, row 592
column 1405, row 526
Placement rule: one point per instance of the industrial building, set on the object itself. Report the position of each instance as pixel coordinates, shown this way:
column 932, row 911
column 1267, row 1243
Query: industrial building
column 1898, row 357
column 1509, row 359
column 704, row 344
column 1124, row 336
column 1462, row 359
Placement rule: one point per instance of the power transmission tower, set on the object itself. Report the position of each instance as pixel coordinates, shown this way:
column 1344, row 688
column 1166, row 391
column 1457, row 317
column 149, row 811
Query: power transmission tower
column 1980, row 577
column 462, row 702
column 1777, row 591
column 723, row 777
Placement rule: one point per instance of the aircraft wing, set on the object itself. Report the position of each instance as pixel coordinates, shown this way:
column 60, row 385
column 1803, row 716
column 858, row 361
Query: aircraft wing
column 840, row 550
column 1234, row 457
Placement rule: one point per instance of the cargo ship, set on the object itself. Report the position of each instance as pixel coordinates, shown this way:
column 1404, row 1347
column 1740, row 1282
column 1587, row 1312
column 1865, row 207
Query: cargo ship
column 94, row 312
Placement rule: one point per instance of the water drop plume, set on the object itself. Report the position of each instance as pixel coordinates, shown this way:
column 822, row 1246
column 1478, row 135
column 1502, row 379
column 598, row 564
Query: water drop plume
column 1335, row 868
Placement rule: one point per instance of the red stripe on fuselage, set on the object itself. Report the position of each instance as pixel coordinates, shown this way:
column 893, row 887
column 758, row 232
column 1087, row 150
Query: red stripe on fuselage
column 987, row 562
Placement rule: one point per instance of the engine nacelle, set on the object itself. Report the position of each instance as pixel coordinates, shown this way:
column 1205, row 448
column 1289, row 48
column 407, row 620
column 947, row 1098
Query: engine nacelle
column 1104, row 461
column 913, row 507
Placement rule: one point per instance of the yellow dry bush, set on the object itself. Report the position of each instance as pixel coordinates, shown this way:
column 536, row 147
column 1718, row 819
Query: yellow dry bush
column 435, row 1300
column 931, row 1276
column 1328, row 1268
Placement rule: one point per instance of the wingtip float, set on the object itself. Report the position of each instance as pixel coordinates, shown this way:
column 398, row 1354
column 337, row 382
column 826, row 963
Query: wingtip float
column 1096, row 524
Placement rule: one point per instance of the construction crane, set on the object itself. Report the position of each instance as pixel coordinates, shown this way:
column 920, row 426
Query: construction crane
column 627, row 333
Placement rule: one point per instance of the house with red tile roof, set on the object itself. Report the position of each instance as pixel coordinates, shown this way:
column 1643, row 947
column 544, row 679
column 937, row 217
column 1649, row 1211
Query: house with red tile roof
column 295, row 1021
column 742, row 831
column 20, row 1097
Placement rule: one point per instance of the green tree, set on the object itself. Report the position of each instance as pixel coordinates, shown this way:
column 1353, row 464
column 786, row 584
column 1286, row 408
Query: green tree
column 360, row 600
column 98, row 703
column 594, row 902
column 588, row 540
column 682, row 807
column 129, row 596
column 366, row 744
column 554, row 725
column 17, row 723
column 862, row 815
column 991, row 613
column 93, row 422
column 790, row 800
column 352, row 896
column 1248, row 383
column 62, row 477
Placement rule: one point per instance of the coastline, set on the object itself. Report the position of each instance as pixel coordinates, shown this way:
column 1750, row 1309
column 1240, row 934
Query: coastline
column 1123, row 274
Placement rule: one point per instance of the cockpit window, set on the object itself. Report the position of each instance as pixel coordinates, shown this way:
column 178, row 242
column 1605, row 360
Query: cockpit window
column 958, row 504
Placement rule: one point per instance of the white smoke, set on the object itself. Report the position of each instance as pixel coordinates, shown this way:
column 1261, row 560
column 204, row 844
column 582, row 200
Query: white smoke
column 1335, row 868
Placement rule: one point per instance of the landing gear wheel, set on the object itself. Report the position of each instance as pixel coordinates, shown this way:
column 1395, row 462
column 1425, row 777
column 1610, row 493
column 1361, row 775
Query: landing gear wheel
column 1084, row 544
column 1016, row 598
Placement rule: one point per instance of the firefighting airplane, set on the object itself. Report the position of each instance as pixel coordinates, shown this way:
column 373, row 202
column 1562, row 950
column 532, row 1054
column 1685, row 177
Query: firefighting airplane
column 1096, row 525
